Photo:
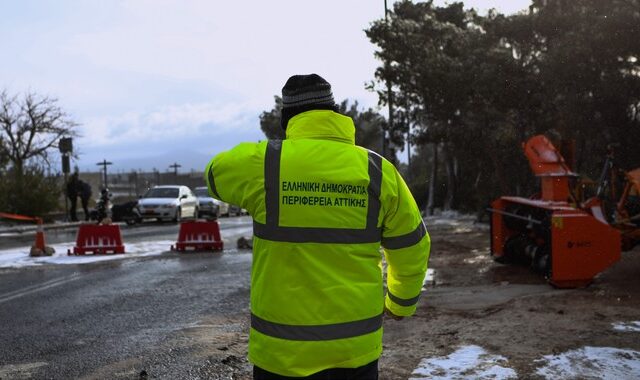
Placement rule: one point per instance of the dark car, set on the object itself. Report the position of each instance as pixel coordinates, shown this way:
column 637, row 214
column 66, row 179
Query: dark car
column 208, row 206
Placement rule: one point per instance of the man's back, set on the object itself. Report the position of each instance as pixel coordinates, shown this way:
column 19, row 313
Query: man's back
column 318, row 202
column 321, row 207
column 72, row 186
column 84, row 190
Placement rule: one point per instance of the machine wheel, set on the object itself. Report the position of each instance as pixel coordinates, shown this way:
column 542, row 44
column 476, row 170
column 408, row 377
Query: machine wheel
column 501, row 259
column 178, row 217
column 515, row 250
column 508, row 251
column 195, row 213
column 542, row 263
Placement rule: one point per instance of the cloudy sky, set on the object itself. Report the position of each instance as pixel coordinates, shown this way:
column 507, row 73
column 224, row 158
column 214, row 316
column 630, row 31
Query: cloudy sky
column 157, row 81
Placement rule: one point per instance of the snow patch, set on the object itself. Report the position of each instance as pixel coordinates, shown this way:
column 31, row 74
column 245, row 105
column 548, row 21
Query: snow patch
column 19, row 257
column 20, row 371
column 469, row 362
column 461, row 223
column 429, row 278
column 627, row 326
column 592, row 363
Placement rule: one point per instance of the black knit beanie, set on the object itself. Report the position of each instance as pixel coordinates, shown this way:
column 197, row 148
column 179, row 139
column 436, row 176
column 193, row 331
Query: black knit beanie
column 303, row 93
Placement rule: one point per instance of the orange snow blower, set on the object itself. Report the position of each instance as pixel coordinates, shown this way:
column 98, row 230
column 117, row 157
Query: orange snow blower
column 568, row 243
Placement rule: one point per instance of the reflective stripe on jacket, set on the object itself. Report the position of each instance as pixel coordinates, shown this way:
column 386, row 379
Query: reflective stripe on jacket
column 322, row 207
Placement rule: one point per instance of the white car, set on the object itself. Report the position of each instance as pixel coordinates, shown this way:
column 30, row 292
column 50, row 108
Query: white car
column 210, row 206
column 170, row 202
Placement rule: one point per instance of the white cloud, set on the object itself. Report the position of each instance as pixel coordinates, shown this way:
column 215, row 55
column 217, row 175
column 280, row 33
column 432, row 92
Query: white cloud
column 155, row 70
column 164, row 124
column 247, row 47
column 503, row 6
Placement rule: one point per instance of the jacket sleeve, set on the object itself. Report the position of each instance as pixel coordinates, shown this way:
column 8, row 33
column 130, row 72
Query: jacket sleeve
column 406, row 244
column 229, row 175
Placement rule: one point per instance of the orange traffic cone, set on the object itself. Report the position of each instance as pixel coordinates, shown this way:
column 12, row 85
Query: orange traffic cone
column 40, row 248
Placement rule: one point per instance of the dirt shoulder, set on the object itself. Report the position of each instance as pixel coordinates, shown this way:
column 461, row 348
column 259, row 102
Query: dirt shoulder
column 509, row 311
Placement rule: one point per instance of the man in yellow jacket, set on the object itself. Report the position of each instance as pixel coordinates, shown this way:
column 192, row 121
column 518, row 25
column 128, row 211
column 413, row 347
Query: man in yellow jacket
column 322, row 207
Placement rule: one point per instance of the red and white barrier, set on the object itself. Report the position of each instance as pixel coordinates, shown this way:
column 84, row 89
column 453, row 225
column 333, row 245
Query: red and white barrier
column 98, row 239
column 199, row 235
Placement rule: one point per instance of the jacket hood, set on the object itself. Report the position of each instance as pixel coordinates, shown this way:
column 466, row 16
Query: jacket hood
column 322, row 124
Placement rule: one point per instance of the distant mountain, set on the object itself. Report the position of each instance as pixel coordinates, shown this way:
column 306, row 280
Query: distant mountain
column 188, row 161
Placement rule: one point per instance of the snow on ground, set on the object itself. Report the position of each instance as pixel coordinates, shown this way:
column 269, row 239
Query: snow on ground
column 592, row 363
column 627, row 326
column 460, row 222
column 450, row 218
column 429, row 279
column 19, row 257
column 468, row 362
column 473, row 362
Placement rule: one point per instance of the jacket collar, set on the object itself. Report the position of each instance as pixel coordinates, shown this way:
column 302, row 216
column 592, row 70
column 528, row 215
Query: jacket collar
column 323, row 125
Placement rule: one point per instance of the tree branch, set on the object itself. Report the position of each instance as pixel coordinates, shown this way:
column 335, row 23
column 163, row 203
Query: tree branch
column 31, row 127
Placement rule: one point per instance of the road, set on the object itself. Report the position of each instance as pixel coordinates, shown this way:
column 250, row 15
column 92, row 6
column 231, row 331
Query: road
column 185, row 316
column 120, row 318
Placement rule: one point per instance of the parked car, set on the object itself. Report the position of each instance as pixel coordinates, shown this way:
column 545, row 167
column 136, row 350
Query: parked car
column 168, row 202
column 209, row 206
column 126, row 212
column 234, row 210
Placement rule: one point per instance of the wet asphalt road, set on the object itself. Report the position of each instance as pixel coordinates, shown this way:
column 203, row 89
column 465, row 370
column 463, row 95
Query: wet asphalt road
column 118, row 318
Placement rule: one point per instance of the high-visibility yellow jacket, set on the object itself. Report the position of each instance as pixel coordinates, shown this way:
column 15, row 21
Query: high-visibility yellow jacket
column 322, row 207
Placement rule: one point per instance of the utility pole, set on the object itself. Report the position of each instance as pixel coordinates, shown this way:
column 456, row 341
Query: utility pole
column 104, row 165
column 389, row 92
column 409, row 174
column 65, row 145
column 175, row 167
column 156, row 174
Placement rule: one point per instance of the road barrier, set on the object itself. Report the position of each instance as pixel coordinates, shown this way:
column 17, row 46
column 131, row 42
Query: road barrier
column 39, row 248
column 199, row 235
column 98, row 239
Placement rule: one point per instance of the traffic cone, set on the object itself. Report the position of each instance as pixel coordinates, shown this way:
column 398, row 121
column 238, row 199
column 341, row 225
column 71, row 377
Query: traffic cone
column 40, row 248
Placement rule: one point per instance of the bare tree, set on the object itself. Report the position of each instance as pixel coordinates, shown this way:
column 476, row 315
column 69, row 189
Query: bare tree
column 29, row 127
